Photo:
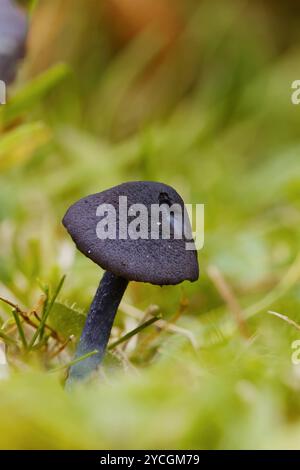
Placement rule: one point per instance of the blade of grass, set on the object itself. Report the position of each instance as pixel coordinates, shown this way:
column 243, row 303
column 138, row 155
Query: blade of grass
column 20, row 328
column 33, row 92
column 285, row 318
column 133, row 332
column 56, row 293
column 290, row 279
column 41, row 328
column 6, row 338
column 72, row 363
column 32, row 6
column 44, row 312
column 20, row 144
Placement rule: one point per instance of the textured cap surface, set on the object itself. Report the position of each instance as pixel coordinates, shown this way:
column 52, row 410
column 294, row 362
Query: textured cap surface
column 157, row 261
column 13, row 32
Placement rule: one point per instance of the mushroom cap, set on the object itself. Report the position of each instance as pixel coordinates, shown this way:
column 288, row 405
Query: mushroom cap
column 13, row 33
column 157, row 261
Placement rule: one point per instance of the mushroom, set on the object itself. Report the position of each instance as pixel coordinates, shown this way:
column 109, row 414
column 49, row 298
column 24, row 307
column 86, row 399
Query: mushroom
column 152, row 259
column 13, row 33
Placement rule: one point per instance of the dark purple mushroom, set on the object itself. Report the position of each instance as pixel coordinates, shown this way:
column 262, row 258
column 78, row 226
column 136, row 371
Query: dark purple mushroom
column 13, row 33
column 161, row 261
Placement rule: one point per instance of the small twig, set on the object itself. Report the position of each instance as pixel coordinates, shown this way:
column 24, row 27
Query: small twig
column 26, row 318
column 11, row 304
column 39, row 306
column 229, row 298
column 285, row 318
column 56, row 352
column 183, row 305
column 53, row 333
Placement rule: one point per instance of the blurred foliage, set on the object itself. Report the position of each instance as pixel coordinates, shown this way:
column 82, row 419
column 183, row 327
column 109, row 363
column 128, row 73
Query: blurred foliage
column 197, row 95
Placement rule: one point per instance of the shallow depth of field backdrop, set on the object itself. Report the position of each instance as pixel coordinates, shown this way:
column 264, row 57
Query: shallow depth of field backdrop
column 195, row 94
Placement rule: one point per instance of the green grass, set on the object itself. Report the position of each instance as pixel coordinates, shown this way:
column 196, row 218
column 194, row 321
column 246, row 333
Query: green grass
column 215, row 121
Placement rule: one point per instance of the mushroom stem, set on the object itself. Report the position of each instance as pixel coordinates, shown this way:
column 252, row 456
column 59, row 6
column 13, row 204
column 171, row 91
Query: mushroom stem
column 97, row 329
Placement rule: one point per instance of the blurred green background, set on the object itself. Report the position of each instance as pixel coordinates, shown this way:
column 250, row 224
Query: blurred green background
column 195, row 94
